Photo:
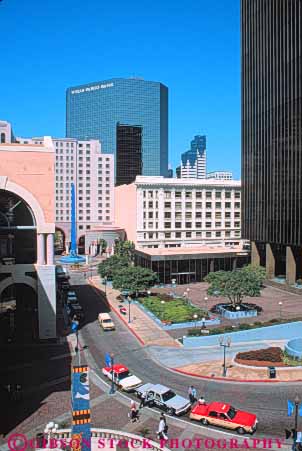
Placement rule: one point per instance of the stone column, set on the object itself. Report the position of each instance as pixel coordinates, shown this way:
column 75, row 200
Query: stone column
column 50, row 249
column 234, row 264
column 211, row 265
column 290, row 266
column 41, row 249
column 255, row 256
column 270, row 262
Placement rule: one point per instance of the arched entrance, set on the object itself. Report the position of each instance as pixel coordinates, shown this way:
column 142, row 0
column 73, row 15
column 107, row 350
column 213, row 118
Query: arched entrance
column 18, row 314
column 59, row 241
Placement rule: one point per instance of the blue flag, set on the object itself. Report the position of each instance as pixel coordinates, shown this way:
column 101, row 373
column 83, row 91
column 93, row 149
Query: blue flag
column 300, row 410
column 74, row 326
column 290, row 408
column 107, row 359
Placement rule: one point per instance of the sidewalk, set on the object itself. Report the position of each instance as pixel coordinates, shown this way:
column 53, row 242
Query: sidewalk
column 143, row 327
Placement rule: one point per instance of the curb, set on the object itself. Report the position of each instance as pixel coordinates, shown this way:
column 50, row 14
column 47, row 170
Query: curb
column 91, row 283
column 229, row 379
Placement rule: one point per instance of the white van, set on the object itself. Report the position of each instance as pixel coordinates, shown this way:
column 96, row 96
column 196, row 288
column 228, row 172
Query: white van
column 106, row 322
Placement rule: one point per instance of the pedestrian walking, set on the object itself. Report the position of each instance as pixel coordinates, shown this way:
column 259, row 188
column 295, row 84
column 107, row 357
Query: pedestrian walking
column 162, row 428
column 143, row 400
column 192, row 394
column 133, row 413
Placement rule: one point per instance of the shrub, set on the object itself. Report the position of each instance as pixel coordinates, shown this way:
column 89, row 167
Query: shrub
column 274, row 320
column 244, row 326
column 270, row 355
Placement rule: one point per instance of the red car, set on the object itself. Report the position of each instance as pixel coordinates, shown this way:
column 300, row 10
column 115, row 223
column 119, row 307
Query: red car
column 224, row 415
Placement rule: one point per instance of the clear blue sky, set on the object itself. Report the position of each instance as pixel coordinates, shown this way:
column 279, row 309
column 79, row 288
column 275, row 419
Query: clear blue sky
column 191, row 46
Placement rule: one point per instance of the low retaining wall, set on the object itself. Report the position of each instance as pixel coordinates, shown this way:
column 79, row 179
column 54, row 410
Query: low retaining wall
column 277, row 332
column 294, row 348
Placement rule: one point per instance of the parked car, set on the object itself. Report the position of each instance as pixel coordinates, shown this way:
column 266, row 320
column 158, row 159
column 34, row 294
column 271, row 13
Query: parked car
column 122, row 377
column 224, row 415
column 106, row 322
column 164, row 398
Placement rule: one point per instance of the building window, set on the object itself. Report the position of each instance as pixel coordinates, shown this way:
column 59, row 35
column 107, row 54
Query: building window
column 218, row 204
column 167, row 215
column 177, row 234
column 228, row 214
column 167, row 225
column 168, row 235
column 198, row 225
column 198, row 234
column 218, row 215
column 208, row 225
column 237, row 214
column 167, row 204
column 177, row 225
column 178, row 206
column 188, row 215
column 227, row 224
column 178, row 194
column 198, row 194
column 178, row 215
column 227, row 195
column 198, row 205
column 188, row 204
column 209, row 194
column 188, row 234
column 150, row 204
column 188, row 195
column 208, row 214
column 237, row 194
column 217, row 224
column 208, row 234
column 218, row 234
column 237, row 204
column 198, row 214
column 167, row 194
column 208, row 204
column 188, row 225
column 218, row 194
column 228, row 205
column 237, row 224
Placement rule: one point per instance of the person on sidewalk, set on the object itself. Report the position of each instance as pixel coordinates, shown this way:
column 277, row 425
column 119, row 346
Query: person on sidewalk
column 162, row 428
column 192, row 394
column 134, row 413
column 143, row 400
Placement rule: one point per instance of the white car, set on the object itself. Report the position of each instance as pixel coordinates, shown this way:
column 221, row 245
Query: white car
column 122, row 377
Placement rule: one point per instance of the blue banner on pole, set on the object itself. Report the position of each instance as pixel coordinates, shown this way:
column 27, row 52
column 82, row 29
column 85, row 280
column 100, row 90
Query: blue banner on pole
column 81, row 408
column 290, row 408
column 300, row 410
column 74, row 326
column 107, row 359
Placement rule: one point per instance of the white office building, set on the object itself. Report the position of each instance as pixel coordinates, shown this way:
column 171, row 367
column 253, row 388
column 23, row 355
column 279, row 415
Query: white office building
column 220, row 175
column 162, row 212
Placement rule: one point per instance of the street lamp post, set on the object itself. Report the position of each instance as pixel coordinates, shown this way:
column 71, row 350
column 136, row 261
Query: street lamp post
column 296, row 401
column 195, row 316
column 129, row 310
column 280, row 309
column 206, row 303
column 225, row 345
column 112, row 375
column 105, row 283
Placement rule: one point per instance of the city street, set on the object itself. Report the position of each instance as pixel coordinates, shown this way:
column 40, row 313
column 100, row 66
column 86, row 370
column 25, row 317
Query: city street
column 267, row 401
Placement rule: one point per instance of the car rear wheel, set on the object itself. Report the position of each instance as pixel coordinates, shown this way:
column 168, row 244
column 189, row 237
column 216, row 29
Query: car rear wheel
column 240, row 431
column 171, row 411
column 204, row 421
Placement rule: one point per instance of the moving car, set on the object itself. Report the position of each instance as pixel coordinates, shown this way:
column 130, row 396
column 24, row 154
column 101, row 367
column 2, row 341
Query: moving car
column 106, row 322
column 164, row 398
column 122, row 377
column 224, row 415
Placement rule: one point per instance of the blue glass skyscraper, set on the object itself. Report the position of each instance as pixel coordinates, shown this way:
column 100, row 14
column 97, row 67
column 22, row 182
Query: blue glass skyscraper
column 94, row 110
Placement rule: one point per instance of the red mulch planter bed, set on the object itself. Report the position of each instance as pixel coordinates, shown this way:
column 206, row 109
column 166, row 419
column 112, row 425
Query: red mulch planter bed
column 261, row 357
column 263, row 363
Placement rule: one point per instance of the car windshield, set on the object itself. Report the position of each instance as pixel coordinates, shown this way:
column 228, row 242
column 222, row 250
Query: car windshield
column 123, row 375
column 168, row 395
column 231, row 413
column 107, row 321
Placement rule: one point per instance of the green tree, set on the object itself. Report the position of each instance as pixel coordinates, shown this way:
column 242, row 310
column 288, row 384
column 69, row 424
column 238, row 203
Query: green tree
column 103, row 245
column 256, row 271
column 236, row 285
column 111, row 265
column 134, row 279
column 124, row 249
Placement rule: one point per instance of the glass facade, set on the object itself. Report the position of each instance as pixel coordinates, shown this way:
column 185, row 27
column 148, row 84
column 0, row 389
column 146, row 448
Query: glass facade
column 128, row 153
column 94, row 110
column 271, row 42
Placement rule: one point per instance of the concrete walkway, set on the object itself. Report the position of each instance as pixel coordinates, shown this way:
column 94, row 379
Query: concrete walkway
column 143, row 327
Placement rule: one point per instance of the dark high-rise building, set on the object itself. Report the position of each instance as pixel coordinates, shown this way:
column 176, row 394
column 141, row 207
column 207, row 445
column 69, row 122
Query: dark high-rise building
column 93, row 111
column 128, row 153
column 271, row 46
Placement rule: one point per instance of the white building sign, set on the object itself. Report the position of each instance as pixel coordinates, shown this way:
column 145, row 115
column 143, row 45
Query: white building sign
column 92, row 88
